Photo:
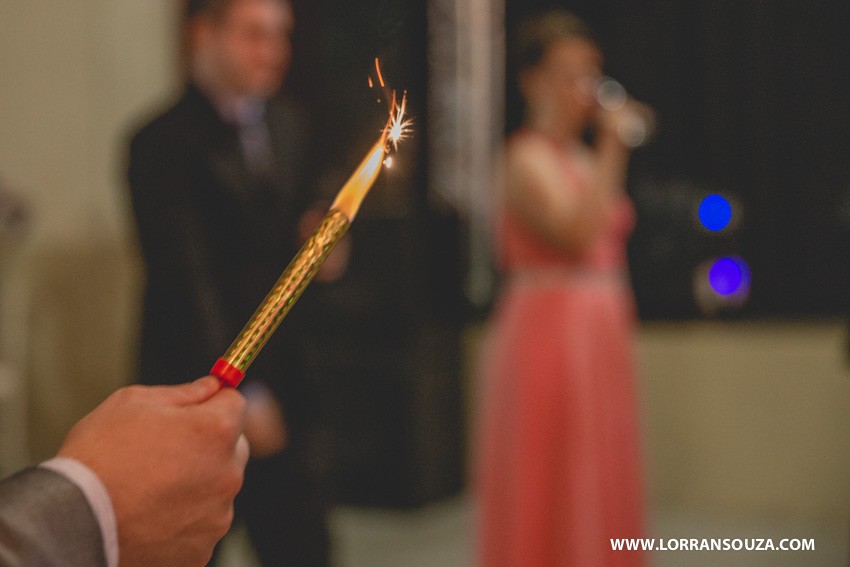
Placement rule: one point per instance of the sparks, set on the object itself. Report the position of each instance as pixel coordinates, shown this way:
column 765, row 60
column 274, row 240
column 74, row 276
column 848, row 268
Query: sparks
column 399, row 127
column 380, row 76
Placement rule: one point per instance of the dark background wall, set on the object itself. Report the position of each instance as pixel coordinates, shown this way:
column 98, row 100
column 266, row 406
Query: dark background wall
column 752, row 100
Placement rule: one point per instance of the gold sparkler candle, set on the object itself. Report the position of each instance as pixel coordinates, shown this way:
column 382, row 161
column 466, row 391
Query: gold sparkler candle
column 231, row 367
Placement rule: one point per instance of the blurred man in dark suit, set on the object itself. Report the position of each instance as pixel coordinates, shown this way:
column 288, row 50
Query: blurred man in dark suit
column 218, row 186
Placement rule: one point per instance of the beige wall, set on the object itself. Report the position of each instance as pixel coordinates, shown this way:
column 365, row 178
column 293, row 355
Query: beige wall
column 75, row 76
column 748, row 419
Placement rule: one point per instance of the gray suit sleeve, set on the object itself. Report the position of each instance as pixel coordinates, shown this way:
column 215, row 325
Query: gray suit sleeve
column 46, row 521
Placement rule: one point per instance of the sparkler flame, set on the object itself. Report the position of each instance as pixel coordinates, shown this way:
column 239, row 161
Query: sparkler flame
column 397, row 128
column 351, row 195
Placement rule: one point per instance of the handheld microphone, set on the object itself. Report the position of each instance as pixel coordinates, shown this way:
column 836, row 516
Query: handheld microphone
column 637, row 124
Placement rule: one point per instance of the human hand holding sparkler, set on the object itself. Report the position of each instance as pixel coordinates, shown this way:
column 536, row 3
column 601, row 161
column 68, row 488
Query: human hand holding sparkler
column 171, row 459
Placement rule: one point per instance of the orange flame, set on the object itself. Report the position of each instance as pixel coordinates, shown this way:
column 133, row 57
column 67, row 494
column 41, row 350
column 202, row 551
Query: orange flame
column 397, row 128
column 351, row 195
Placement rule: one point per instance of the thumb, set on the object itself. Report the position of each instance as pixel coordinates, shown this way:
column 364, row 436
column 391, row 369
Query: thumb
column 195, row 392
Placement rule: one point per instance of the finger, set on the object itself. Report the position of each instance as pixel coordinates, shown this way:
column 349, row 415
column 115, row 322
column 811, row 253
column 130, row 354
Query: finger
column 190, row 393
column 243, row 451
column 230, row 405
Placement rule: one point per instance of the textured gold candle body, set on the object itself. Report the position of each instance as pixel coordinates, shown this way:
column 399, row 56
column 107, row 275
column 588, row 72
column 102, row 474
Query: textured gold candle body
column 282, row 297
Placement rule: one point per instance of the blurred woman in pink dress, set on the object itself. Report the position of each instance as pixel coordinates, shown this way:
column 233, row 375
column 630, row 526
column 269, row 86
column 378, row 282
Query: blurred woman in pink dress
column 558, row 465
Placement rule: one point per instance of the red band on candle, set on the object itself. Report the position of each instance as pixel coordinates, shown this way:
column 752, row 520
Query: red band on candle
column 228, row 374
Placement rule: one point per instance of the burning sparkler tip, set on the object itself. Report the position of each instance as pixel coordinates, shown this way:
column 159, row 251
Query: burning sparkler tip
column 398, row 126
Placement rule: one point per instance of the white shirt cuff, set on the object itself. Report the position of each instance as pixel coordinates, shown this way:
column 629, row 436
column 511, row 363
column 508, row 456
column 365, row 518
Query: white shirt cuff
column 98, row 498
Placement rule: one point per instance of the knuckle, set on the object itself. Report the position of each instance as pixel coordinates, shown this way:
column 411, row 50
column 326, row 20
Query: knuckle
column 228, row 518
column 236, row 401
column 221, row 525
column 220, row 426
column 232, row 482
column 128, row 393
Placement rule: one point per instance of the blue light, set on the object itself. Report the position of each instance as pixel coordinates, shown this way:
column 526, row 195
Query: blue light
column 729, row 276
column 715, row 212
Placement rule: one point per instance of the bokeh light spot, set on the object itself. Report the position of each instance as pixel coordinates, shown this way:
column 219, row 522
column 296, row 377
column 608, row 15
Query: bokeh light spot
column 729, row 276
column 715, row 212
